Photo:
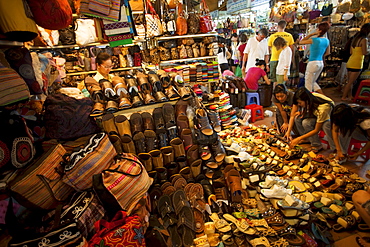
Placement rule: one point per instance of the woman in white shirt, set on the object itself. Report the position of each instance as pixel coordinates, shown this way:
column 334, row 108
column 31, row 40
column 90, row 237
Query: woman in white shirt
column 223, row 55
column 285, row 60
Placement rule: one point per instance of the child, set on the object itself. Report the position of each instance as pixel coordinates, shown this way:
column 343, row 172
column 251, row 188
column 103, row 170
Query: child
column 285, row 59
column 254, row 74
column 283, row 99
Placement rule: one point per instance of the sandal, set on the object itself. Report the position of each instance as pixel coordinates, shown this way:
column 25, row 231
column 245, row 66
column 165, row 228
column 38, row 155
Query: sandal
column 344, row 223
column 186, row 226
column 260, row 242
column 220, row 224
column 241, row 224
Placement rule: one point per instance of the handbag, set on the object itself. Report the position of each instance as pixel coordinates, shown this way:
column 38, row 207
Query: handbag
column 153, row 23
column 85, row 33
column 105, row 9
column 67, row 35
column 327, row 10
column 40, row 185
column 122, row 185
column 79, row 167
column 205, row 23
column 136, row 5
column 122, row 230
column 314, row 14
column 13, row 88
column 68, row 118
column 181, row 23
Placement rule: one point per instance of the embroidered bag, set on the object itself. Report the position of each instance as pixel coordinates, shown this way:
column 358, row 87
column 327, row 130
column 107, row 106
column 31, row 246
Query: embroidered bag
column 122, row 230
column 327, row 10
column 153, row 23
column 79, row 167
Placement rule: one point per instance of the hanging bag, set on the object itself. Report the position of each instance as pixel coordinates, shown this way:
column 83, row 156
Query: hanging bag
column 193, row 20
column 327, row 9
column 105, row 9
column 181, row 24
column 85, row 33
column 153, row 23
column 205, row 18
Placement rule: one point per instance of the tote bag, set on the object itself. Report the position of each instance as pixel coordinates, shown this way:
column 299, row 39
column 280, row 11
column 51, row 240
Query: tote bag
column 153, row 23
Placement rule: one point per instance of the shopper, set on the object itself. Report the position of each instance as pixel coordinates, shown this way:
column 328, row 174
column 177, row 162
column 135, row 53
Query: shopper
column 361, row 200
column 283, row 99
column 256, row 48
column 296, row 58
column 254, row 74
column 275, row 53
column 233, row 61
column 310, row 113
column 347, row 123
column 104, row 66
column 318, row 50
column 356, row 60
column 223, row 55
column 241, row 46
column 285, row 60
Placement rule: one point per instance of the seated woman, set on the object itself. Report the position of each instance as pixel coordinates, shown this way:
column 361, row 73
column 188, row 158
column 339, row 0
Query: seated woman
column 310, row 113
column 254, row 74
column 283, row 99
column 347, row 123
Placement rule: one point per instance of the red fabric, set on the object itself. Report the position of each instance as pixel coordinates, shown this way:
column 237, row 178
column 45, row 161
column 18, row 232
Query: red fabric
column 241, row 49
column 252, row 77
column 51, row 14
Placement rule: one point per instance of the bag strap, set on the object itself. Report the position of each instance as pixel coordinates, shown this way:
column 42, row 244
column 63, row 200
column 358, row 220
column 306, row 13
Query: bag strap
column 124, row 173
column 150, row 8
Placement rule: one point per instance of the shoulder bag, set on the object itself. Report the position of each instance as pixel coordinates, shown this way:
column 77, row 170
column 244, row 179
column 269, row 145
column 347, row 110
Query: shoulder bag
column 153, row 23
column 205, row 23
column 181, row 24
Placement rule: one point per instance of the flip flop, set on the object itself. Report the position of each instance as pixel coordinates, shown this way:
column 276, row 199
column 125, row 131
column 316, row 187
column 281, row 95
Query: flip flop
column 186, row 226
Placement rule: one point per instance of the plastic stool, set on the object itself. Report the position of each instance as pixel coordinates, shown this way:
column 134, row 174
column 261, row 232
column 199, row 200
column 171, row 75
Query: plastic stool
column 256, row 112
column 363, row 92
column 324, row 141
column 253, row 98
column 358, row 145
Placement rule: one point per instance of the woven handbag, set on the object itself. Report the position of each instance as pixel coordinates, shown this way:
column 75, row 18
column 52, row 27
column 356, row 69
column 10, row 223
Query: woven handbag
column 39, row 185
column 123, row 185
column 205, row 23
column 79, row 167
column 153, row 23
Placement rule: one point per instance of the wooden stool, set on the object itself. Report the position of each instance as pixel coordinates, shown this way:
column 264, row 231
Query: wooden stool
column 252, row 98
column 363, row 92
column 256, row 112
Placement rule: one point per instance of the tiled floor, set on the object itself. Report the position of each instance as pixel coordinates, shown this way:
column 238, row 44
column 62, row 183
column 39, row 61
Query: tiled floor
column 360, row 166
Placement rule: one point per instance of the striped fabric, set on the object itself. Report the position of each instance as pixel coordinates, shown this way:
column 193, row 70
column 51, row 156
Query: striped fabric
column 92, row 159
column 29, row 185
column 127, row 190
column 113, row 13
column 12, row 87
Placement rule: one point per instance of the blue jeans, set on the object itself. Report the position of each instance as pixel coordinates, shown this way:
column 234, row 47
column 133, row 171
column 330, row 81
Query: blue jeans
column 308, row 124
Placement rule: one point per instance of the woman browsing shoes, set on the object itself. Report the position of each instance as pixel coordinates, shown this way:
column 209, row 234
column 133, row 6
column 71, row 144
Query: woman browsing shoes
column 310, row 114
column 347, row 123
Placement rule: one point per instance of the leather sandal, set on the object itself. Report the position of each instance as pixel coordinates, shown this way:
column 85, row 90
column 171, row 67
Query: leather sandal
column 203, row 122
column 168, row 155
column 146, row 159
column 128, row 145
column 187, row 137
column 156, row 158
column 178, row 148
column 182, row 122
column 168, row 113
column 148, row 122
column 108, row 124
column 171, row 131
column 107, row 88
column 172, row 93
column 218, row 151
column 192, row 154
column 111, row 106
column 136, row 123
column 158, row 118
column 196, row 167
column 98, row 110
column 180, row 108
column 151, row 141
column 139, row 141
column 94, row 89
column 162, row 137
column 123, row 125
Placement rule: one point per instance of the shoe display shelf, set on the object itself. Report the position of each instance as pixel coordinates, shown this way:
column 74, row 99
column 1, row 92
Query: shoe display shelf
column 94, row 71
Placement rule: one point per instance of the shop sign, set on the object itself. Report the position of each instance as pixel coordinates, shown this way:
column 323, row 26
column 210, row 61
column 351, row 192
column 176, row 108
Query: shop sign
column 237, row 5
column 255, row 3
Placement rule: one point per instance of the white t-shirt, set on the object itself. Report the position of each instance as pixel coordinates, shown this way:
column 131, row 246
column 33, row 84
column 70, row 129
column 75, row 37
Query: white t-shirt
column 255, row 49
column 285, row 60
column 99, row 76
column 222, row 56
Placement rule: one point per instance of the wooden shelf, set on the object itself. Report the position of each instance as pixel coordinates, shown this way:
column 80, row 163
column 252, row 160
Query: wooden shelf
column 188, row 59
column 94, row 71
column 187, row 36
column 64, row 46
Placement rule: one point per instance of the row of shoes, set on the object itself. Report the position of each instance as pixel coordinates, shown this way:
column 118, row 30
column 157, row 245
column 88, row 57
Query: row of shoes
column 135, row 89
column 226, row 110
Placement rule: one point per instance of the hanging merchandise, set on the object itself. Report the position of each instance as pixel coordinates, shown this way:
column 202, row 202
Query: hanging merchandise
column 119, row 33
column 14, row 22
column 355, row 6
column 67, row 35
column 181, row 23
column 105, row 9
column 137, row 5
column 21, row 61
column 344, row 6
column 365, row 5
column 327, row 9
column 51, row 14
column 314, row 13
column 193, row 20
column 85, row 33
column 205, row 18
column 153, row 23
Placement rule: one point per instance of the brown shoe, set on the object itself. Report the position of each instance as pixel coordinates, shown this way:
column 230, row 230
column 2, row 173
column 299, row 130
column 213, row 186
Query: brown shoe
column 168, row 113
column 182, row 122
column 111, row 106
column 186, row 173
column 218, row 151
column 158, row 118
column 107, row 88
column 196, row 167
column 156, row 158
column 187, row 137
column 136, row 123
column 192, row 154
column 178, row 147
column 98, row 110
column 168, row 155
column 172, row 169
column 203, row 122
column 128, row 145
column 123, row 125
column 151, row 141
column 116, row 141
column 139, row 140
column 171, row 93
column 94, row 89
column 148, row 122
column 146, row 159
column 108, row 124
column 180, row 107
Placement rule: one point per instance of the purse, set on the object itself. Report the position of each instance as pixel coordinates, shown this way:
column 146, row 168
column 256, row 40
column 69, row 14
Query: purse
column 85, row 33
column 122, row 185
column 79, row 167
column 327, row 10
column 174, row 53
column 205, row 20
column 67, row 35
column 122, row 230
column 153, row 23
column 181, row 23
column 39, row 185
column 136, row 5
column 105, row 9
